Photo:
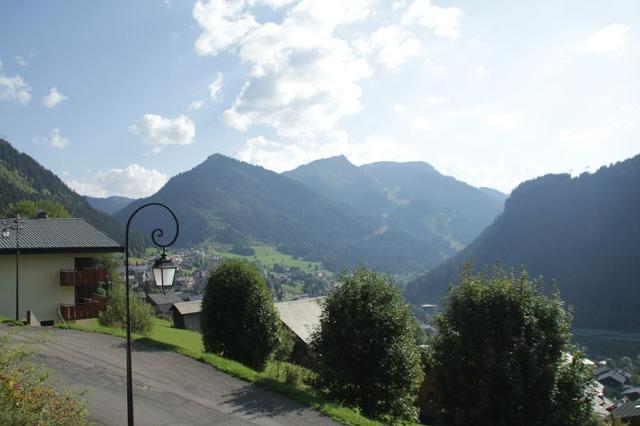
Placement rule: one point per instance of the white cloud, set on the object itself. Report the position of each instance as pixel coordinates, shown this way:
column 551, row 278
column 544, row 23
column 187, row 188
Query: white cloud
column 159, row 131
column 609, row 39
column 400, row 108
column 444, row 21
column 436, row 100
column 196, row 105
column 303, row 78
column 55, row 140
column 133, row 181
column 20, row 60
column 215, row 87
column 504, row 120
column 224, row 23
column 53, row 98
column 395, row 45
column 14, row 89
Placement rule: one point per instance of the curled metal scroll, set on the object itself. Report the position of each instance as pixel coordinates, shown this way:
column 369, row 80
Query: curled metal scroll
column 157, row 232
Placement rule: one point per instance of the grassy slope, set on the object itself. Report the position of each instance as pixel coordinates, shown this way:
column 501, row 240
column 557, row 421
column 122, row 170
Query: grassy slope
column 268, row 256
column 189, row 343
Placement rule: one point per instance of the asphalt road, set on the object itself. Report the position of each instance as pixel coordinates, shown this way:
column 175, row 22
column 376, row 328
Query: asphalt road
column 169, row 389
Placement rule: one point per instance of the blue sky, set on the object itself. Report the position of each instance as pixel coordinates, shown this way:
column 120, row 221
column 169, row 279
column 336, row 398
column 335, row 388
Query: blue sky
column 116, row 97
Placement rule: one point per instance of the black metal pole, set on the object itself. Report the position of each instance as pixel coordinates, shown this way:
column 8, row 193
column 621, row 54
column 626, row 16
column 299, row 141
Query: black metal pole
column 155, row 232
column 18, row 269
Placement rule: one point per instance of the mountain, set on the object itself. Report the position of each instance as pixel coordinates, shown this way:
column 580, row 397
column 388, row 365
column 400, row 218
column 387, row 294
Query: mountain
column 23, row 178
column 494, row 193
column 411, row 197
column 108, row 205
column 582, row 232
column 234, row 202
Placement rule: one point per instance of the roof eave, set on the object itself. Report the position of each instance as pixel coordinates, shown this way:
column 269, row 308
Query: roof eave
column 59, row 250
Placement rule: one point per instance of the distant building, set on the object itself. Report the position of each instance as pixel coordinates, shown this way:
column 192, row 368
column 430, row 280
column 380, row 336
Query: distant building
column 163, row 302
column 301, row 317
column 628, row 412
column 186, row 315
column 59, row 270
column 633, row 394
column 614, row 379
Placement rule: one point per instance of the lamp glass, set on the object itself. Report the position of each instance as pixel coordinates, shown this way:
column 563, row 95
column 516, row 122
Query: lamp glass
column 164, row 271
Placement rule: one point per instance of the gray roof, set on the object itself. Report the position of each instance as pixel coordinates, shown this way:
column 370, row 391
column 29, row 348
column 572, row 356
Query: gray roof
column 301, row 316
column 627, row 410
column 164, row 299
column 57, row 235
column 186, row 308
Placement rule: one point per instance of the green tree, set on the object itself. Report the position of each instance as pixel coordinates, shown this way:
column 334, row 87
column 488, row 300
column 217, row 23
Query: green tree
column 502, row 355
column 239, row 319
column 30, row 209
column 365, row 348
column 115, row 315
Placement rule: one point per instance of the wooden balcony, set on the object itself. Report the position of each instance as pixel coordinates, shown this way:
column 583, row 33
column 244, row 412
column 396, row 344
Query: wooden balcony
column 86, row 310
column 85, row 277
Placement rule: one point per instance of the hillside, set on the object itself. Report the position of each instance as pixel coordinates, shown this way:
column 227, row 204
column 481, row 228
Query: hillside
column 108, row 205
column 23, row 178
column 238, row 203
column 582, row 232
column 410, row 197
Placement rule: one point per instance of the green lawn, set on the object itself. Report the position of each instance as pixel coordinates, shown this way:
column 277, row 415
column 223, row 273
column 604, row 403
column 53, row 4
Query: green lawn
column 268, row 256
column 273, row 378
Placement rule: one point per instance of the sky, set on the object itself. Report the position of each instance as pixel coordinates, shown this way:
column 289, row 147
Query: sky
column 117, row 97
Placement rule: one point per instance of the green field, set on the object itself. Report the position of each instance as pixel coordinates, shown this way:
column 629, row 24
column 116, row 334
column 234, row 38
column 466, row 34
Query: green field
column 268, row 256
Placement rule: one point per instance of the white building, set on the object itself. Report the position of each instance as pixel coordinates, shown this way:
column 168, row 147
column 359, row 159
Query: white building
column 58, row 269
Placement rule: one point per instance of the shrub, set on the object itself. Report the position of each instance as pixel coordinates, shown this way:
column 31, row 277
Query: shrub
column 115, row 315
column 365, row 347
column 239, row 320
column 500, row 356
column 27, row 398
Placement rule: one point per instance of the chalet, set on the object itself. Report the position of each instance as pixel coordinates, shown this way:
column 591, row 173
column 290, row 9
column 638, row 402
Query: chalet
column 302, row 318
column 614, row 379
column 629, row 413
column 163, row 302
column 59, row 270
column 187, row 315
column 631, row 393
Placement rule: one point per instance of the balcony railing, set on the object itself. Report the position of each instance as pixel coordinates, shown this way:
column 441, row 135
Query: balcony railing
column 86, row 310
column 70, row 277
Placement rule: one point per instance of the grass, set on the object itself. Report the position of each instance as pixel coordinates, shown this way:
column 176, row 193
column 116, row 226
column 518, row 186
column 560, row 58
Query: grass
column 189, row 343
column 269, row 256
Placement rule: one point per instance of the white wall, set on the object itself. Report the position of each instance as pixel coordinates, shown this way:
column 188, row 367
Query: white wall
column 40, row 289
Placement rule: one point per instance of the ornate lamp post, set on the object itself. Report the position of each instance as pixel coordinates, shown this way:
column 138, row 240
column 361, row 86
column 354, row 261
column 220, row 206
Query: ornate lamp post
column 6, row 233
column 164, row 271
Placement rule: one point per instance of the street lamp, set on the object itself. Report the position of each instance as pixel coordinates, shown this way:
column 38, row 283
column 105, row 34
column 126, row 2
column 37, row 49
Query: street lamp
column 163, row 269
column 6, row 233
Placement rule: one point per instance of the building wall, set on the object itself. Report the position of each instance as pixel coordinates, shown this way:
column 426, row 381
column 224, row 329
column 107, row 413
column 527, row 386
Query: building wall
column 40, row 289
column 192, row 321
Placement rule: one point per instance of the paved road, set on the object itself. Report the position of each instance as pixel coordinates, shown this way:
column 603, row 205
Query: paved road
column 169, row 389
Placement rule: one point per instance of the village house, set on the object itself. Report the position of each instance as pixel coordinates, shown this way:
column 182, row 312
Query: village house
column 629, row 413
column 301, row 317
column 59, row 269
column 163, row 302
column 187, row 315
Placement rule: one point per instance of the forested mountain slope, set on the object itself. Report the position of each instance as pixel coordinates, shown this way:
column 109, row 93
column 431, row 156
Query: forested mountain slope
column 582, row 232
column 234, row 202
column 411, row 197
column 23, row 178
column 108, row 205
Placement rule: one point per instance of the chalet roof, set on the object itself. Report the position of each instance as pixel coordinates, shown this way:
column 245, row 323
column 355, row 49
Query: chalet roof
column 163, row 299
column 627, row 410
column 631, row 391
column 57, row 236
column 614, row 375
column 301, row 316
column 186, row 308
